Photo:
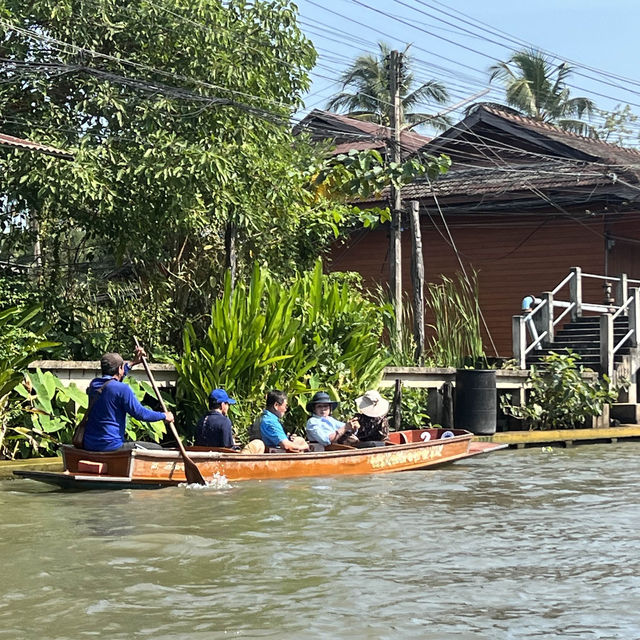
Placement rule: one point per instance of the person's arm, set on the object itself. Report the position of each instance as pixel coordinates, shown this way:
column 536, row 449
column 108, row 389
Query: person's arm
column 349, row 427
column 227, row 440
column 135, row 409
column 137, row 359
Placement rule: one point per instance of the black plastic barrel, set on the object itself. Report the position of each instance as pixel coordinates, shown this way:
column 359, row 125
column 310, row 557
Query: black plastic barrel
column 475, row 406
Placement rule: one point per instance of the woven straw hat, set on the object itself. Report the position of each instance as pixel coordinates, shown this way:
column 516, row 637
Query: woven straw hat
column 372, row 404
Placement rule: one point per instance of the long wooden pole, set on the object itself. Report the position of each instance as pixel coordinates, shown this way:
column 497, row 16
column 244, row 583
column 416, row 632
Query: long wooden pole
column 417, row 278
column 191, row 471
column 395, row 247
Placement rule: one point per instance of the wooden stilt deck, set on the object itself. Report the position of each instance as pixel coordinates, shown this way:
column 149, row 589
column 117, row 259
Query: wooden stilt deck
column 563, row 437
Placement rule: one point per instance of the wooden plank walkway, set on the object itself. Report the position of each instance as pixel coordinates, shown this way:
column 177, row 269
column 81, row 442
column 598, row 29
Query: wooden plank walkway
column 565, row 437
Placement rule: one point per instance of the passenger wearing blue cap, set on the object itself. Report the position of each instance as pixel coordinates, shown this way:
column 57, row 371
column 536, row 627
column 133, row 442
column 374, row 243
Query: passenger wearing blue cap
column 214, row 429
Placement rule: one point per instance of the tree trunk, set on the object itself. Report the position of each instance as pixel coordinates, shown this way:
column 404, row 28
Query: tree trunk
column 231, row 251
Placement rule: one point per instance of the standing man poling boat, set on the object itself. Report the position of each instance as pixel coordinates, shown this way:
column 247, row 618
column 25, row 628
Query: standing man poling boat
column 110, row 401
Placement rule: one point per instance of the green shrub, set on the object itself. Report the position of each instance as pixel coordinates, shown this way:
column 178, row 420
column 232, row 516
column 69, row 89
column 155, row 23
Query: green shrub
column 559, row 395
column 413, row 407
column 453, row 306
column 18, row 346
column 315, row 332
column 47, row 411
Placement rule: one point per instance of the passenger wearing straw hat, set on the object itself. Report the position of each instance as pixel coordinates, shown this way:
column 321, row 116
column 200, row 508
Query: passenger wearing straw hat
column 372, row 417
column 322, row 427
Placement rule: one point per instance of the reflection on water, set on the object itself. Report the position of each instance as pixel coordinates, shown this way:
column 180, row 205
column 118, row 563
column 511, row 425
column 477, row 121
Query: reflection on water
column 517, row 544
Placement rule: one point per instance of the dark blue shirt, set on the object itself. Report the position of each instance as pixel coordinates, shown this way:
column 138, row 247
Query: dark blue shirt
column 214, row 430
column 108, row 418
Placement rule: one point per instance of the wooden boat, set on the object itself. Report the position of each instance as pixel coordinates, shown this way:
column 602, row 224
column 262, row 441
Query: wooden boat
column 153, row 469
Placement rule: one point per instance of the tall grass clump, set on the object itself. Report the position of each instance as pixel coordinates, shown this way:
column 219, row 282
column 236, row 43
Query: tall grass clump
column 315, row 332
column 455, row 311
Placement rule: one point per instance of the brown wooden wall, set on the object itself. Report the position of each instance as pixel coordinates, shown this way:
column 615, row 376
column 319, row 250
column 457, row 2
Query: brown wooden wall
column 514, row 255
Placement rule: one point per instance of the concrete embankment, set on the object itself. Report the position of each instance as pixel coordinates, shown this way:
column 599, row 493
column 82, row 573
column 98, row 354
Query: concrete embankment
column 7, row 467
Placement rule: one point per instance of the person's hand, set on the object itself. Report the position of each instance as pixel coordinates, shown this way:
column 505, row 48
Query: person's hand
column 353, row 424
column 168, row 417
column 137, row 358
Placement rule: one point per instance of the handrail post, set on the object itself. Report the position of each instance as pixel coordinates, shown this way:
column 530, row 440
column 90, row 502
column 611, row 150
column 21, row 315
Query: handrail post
column 546, row 322
column 622, row 292
column 519, row 341
column 634, row 315
column 575, row 293
column 606, row 344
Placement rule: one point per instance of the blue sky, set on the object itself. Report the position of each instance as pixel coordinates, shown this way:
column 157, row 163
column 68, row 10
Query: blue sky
column 457, row 40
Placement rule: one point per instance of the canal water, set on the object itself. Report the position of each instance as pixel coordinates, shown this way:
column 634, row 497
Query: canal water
column 517, row 544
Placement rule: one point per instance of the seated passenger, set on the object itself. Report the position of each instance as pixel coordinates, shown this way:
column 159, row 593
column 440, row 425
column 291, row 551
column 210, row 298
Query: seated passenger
column 271, row 430
column 325, row 429
column 372, row 417
column 214, row 429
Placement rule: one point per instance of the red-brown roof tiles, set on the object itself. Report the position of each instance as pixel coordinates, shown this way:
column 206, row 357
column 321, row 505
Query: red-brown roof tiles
column 11, row 141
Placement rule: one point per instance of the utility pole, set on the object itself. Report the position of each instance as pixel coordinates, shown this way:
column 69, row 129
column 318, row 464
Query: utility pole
column 395, row 247
column 417, row 278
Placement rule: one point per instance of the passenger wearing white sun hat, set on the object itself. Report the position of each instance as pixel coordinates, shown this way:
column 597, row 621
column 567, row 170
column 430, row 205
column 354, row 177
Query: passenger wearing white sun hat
column 372, row 417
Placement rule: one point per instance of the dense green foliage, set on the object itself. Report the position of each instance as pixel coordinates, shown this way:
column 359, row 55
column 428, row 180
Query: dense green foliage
column 21, row 339
column 317, row 332
column 559, row 396
column 179, row 118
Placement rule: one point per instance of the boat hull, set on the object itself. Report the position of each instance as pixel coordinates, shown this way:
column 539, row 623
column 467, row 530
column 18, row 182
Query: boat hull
column 151, row 468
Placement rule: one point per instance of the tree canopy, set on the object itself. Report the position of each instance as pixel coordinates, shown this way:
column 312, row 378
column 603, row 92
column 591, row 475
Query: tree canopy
column 178, row 114
column 537, row 87
column 370, row 97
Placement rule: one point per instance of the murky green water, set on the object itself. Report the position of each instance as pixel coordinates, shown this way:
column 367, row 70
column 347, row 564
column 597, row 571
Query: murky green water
column 517, row 544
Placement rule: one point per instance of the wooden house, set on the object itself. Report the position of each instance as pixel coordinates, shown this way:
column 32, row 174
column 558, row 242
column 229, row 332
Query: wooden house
column 523, row 203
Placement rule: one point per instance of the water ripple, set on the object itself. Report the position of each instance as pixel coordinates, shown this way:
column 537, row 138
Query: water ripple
column 517, row 545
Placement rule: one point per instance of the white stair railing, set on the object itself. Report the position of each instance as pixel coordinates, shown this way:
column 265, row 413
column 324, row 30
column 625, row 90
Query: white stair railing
column 535, row 328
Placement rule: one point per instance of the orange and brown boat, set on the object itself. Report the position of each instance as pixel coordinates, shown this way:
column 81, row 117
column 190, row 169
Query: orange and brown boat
column 153, row 468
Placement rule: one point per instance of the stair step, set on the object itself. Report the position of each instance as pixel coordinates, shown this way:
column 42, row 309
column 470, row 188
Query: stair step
column 585, row 337
column 595, row 325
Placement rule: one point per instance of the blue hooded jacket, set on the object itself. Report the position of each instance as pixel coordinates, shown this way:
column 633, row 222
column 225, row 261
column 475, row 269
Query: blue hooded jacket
column 105, row 427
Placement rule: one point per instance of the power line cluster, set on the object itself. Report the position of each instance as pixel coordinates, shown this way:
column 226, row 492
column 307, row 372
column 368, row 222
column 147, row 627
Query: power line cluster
column 454, row 28
column 460, row 78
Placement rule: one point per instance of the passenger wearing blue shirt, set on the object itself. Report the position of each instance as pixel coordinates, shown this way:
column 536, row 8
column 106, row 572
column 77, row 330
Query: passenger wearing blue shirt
column 110, row 400
column 322, row 427
column 271, row 430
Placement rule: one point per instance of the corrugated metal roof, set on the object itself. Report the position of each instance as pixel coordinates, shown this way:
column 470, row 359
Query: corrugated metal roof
column 499, row 183
column 360, row 134
column 11, row 141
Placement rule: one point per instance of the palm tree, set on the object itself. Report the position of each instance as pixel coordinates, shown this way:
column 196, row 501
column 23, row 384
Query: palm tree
column 537, row 88
column 371, row 99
